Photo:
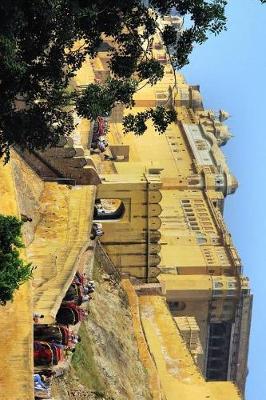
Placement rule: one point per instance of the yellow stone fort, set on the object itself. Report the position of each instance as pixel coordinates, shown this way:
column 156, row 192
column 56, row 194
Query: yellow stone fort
column 160, row 199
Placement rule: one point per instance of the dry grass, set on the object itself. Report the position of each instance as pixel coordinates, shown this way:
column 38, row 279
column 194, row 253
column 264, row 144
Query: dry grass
column 84, row 364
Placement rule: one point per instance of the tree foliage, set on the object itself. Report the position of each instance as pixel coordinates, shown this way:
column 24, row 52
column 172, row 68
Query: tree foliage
column 13, row 270
column 38, row 58
column 100, row 99
column 160, row 117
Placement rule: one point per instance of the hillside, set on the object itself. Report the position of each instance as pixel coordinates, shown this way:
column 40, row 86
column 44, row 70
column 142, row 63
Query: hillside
column 106, row 363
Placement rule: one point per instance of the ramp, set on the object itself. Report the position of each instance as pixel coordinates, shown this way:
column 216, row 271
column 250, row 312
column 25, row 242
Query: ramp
column 60, row 239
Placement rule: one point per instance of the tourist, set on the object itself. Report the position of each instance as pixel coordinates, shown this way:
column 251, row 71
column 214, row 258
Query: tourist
column 38, row 382
column 36, row 317
column 96, row 230
column 88, row 289
column 85, row 298
column 25, row 218
column 77, row 339
column 101, row 146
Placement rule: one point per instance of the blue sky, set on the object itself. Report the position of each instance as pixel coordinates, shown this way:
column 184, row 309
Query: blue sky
column 231, row 71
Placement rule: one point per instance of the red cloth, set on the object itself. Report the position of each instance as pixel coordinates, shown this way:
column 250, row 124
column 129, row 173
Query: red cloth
column 101, row 126
column 42, row 351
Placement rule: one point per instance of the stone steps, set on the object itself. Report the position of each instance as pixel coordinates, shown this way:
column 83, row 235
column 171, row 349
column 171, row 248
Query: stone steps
column 64, row 161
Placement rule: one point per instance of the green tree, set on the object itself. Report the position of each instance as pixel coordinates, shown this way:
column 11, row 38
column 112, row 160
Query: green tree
column 38, row 59
column 13, row 270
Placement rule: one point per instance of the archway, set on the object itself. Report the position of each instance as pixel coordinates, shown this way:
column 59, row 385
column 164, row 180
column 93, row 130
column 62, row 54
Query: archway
column 108, row 209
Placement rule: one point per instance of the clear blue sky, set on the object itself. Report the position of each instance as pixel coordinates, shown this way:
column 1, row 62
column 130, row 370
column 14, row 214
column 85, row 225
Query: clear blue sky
column 231, row 71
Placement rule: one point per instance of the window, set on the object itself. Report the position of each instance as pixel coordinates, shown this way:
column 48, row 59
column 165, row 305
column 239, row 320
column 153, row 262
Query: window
column 161, row 98
column 201, row 240
column 176, row 306
column 227, row 307
column 226, row 316
column 193, row 181
column 161, row 95
column 193, row 224
column 216, row 293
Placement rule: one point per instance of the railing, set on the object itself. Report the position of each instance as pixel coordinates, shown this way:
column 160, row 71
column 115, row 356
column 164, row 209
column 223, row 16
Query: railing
column 106, row 262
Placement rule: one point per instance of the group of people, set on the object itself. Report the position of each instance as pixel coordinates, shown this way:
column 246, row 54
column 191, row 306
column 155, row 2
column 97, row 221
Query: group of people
column 96, row 230
column 54, row 343
column 79, row 292
column 86, row 287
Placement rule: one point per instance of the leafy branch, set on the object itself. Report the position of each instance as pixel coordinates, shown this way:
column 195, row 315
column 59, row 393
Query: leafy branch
column 13, row 270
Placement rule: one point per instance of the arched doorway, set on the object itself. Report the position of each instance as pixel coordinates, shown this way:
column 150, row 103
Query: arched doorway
column 108, row 209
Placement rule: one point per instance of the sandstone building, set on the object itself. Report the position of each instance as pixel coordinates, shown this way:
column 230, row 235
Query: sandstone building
column 173, row 187
column 162, row 199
